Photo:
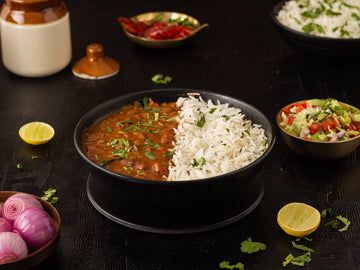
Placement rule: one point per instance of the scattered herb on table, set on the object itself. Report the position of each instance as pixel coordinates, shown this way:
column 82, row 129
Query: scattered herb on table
column 160, row 79
column 19, row 166
column 345, row 221
column 334, row 224
column 226, row 265
column 327, row 213
column 49, row 196
column 302, row 247
column 34, row 157
column 248, row 246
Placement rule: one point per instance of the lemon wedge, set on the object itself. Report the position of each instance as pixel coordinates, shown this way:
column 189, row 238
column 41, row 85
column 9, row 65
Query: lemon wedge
column 298, row 219
column 36, row 133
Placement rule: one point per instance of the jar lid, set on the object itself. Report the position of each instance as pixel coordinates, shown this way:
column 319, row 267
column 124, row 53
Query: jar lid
column 31, row 5
column 95, row 65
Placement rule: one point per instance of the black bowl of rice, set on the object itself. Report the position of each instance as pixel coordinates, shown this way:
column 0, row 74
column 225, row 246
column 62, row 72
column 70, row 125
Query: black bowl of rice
column 235, row 140
column 323, row 28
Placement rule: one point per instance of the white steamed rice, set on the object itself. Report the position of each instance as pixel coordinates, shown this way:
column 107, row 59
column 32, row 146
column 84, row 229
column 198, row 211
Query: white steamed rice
column 334, row 18
column 226, row 142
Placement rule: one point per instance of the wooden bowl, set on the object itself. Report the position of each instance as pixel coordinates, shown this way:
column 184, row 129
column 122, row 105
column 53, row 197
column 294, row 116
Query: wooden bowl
column 38, row 256
column 318, row 150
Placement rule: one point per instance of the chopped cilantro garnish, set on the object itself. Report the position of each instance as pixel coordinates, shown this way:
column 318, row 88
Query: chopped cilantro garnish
column 199, row 162
column 248, row 246
column 19, row 166
column 327, row 213
column 212, row 110
column 302, row 247
column 334, row 224
column 150, row 155
column 226, row 117
column 109, row 129
column 146, row 103
column 49, row 196
column 357, row 17
column 301, row 260
column 170, row 153
column 345, row 221
column 201, row 122
column 329, row 12
column 288, row 259
column 103, row 163
column 172, row 119
column 34, row 157
column 226, row 265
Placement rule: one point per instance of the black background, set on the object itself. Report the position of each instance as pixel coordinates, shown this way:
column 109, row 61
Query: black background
column 240, row 54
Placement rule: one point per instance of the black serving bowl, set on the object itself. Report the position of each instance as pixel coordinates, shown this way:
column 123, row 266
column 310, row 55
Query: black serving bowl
column 318, row 150
column 174, row 206
column 336, row 48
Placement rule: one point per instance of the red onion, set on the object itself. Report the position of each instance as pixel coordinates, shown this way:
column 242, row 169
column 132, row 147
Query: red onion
column 17, row 203
column 35, row 227
column 12, row 247
column 5, row 226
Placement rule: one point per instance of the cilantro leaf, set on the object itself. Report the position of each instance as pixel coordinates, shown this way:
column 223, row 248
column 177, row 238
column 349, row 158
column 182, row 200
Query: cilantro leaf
column 327, row 213
column 201, row 122
column 301, row 260
column 160, row 79
column 334, row 224
column 49, row 196
column 345, row 221
column 302, row 247
column 150, row 155
column 288, row 259
column 226, row 265
column 248, row 246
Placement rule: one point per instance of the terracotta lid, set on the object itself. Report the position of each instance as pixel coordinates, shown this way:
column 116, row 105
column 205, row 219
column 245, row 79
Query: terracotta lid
column 95, row 65
column 31, row 5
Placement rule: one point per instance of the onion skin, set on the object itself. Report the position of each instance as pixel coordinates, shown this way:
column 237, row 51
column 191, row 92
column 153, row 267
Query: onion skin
column 35, row 226
column 5, row 226
column 12, row 247
column 17, row 203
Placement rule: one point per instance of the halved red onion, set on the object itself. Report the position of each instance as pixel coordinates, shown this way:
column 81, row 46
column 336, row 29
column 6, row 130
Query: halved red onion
column 5, row 226
column 17, row 203
column 35, row 226
column 12, row 247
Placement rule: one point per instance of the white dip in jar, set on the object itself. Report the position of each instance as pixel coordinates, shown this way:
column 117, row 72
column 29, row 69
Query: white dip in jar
column 35, row 37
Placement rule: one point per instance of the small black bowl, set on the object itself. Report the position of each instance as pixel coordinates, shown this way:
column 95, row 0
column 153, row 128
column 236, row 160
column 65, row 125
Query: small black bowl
column 337, row 48
column 174, row 206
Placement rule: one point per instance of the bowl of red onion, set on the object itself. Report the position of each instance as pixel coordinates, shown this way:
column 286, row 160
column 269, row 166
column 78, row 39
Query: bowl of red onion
column 29, row 230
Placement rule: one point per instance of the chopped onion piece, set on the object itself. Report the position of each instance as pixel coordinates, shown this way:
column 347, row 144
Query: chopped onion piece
column 5, row 226
column 12, row 247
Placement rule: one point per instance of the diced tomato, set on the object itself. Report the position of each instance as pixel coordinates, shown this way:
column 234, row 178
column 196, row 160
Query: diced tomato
column 357, row 127
column 328, row 123
column 299, row 107
column 352, row 126
column 314, row 128
column 286, row 110
column 291, row 120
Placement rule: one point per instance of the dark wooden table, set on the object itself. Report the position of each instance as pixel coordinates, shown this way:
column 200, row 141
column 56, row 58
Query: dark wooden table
column 240, row 54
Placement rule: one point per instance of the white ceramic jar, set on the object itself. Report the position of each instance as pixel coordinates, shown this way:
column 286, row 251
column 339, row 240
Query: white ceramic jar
column 35, row 37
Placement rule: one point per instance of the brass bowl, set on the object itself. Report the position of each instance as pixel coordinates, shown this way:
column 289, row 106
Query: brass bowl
column 38, row 256
column 318, row 150
column 164, row 43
